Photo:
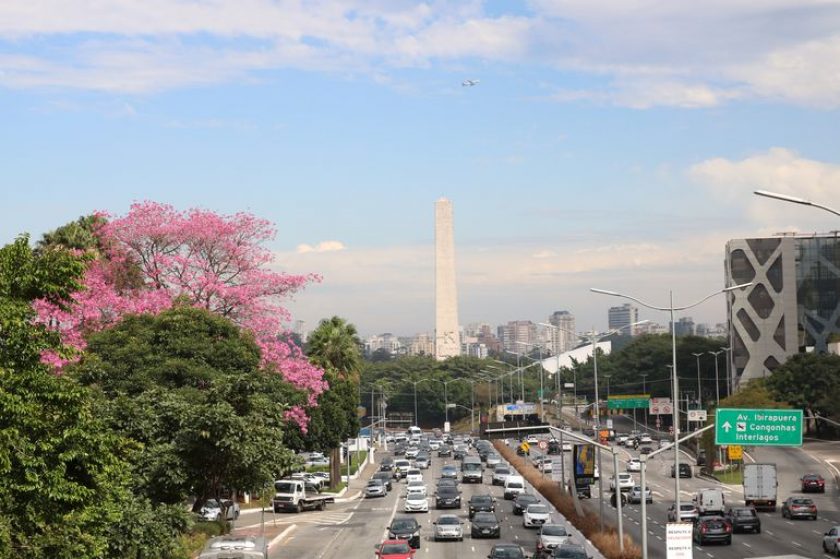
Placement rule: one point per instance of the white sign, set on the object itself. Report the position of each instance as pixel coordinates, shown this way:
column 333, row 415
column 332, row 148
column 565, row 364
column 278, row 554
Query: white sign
column 569, row 385
column 445, row 426
column 678, row 540
column 697, row 415
column 609, row 424
column 661, row 406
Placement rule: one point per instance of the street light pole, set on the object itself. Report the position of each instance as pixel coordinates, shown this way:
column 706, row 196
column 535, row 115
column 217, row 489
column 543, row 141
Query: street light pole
column 729, row 387
column 699, row 396
column 717, row 380
column 644, row 391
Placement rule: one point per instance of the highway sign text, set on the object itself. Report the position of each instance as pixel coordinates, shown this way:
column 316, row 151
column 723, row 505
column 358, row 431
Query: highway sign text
column 758, row 427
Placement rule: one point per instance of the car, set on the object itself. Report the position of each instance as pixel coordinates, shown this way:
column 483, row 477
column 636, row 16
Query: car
column 536, row 515
column 311, row 479
column 375, row 488
column 620, row 439
column 614, row 498
column 394, row 549
column 385, row 477
column 447, row 482
column 546, row 465
column 522, row 501
column 447, row 497
column 449, row 471
column 631, row 442
column 550, row 537
column 448, row 527
column 507, row 551
column 413, row 475
column 401, row 468
column 500, row 474
column 422, row 462
column 435, row 444
column 416, row 488
column 493, row 460
column 485, row 525
column 405, row 528
column 416, row 503
column 743, row 519
column 532, row 439
column 645, row 450
column 246, row 547
column 813, row 482
column 685, row 470
column 444, row 451
column 712, row 529
column 387, row 464
column 625, row 482
column 412, row 452
column 570, row 551
column 831, row 541
column 635, row 495
column 212, row 509
column 481, row 503
column 645, row 438
column 399, row 450
column 634, row 465
column 514, row 485
column 799, row 507
column 688, row 512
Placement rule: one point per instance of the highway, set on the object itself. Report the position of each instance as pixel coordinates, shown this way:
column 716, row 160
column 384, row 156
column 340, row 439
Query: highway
column 778, row 537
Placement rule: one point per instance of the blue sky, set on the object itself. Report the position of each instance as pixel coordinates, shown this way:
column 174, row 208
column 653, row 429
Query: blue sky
column 612, row 144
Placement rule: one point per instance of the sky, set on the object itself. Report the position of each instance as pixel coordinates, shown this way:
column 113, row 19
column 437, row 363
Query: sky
column 612, row 144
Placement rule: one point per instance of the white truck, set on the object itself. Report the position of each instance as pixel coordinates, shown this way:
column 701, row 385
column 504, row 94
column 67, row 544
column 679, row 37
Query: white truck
column 760, row 486
column 710, row 501
column 296, row 495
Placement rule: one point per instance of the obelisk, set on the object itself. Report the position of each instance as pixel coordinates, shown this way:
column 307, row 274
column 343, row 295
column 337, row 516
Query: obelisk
column 447, row 338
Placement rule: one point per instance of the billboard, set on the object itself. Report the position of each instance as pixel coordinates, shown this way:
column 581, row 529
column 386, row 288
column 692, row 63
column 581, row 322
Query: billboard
column 583, row 458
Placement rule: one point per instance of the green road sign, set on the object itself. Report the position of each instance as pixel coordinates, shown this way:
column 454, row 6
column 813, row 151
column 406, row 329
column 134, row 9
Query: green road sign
column 758, row 427
column 628, row 402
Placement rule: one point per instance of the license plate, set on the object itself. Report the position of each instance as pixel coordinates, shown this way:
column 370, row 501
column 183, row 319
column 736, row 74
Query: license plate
column 485, row 531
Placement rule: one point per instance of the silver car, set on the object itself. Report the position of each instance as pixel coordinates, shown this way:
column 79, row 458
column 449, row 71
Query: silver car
column 493, row 460
column 449, row 527
column 375, row 488
column 500, row 474
column 212, row 510
column 246, row 547
column 551, row 536
column 635, row 495
column 688, row 513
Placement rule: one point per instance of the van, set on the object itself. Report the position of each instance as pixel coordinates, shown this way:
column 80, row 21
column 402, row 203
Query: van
column 472, row 470
column 709, row 501
column 514, row 485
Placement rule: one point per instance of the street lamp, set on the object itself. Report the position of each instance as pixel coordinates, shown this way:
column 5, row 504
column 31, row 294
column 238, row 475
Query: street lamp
column 729, row 387
column 794, row 200
column 676, row 416
column 717, row 381
column 542, row 387
column 415, row 383
column 699, row 396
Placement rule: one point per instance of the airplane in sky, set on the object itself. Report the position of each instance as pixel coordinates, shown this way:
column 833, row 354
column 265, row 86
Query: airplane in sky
column 469, row 83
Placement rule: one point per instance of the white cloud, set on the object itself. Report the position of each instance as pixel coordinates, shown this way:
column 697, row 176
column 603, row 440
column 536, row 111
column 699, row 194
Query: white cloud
column 323, row 246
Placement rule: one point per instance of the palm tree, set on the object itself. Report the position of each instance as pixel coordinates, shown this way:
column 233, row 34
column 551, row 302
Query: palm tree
column 334, row 346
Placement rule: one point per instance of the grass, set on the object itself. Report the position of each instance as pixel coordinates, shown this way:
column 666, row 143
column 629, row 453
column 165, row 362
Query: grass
column 733, row 477
column 606, row 541
column 354, row 464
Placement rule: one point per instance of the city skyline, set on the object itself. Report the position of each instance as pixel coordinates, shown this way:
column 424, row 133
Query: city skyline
column 584, row 156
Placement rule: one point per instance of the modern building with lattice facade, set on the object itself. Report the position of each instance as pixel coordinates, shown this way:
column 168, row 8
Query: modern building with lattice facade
column 792, row 306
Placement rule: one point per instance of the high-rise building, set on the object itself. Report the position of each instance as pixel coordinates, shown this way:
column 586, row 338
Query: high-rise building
column 447, row 339
column 684, row 327
column 562, row 338
column 792, row 306
column 623, row 317
column 516, row 334
column 422, row 344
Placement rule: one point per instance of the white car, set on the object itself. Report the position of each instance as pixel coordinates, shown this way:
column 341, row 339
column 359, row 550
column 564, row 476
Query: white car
column 500, row 474
column 434, row 444
column 634, row 465
column 532, row 439
column 636, row 495
column 620, row 439
column 545, row 466
column 535, row 516
column 645, row 439
column 411, row 452
column 212, row 510
column 413, row 475
column 415, row 488
column 625, row 482
column 493, row 460
column 416, row 503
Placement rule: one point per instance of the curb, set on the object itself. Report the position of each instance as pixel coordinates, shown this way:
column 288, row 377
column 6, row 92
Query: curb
column 348, row 499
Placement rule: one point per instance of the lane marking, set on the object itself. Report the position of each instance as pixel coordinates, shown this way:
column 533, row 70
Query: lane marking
column 279, row 537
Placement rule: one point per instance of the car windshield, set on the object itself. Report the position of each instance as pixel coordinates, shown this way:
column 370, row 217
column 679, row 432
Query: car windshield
column 374, row 482
column 414, row 473
column 484, row 517
column 284, row 487
column 537, row 509
column 554, row 530
column 448, row 520
column 394, row 548
column 570, row 553
column 503, row 471
column 802, row 502
column 211, row 504
column 447, row 490
column 449, row 469
column 507, row 553
column 812, row 477
column 481, row 499
column 744, row 512
column 525, row 499
column 514, row 485
column 687, row 507
column 403, row 525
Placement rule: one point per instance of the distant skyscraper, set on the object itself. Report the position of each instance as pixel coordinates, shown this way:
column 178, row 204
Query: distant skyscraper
column 623, row 317
column 447, row 340
column 516, row 333
column 563, row 339
column 685, row 326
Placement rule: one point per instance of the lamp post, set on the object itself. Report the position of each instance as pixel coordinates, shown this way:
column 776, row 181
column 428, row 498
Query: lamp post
column 542, row 387
column 446, row 394
column 729, row 387
column 717, row 380
column 699, row 396
column 795, row 200
column 644, row 391
column 415, row 383
column 671, row 309
column 608, row 377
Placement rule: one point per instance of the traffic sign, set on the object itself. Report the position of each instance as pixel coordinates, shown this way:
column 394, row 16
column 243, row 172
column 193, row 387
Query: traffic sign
column 758, row 427
column 660, row 406
column 678, row 542
column 736, row 452
column 609, row 424
column 543, row 445
column 628, row 402
column 697, row 416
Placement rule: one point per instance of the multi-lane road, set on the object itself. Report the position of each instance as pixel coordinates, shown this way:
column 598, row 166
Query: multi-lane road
column 350, row 530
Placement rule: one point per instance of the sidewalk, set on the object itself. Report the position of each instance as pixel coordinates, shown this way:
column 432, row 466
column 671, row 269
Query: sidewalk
column 358, row 483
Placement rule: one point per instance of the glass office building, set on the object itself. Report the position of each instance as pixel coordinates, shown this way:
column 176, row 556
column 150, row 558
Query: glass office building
column 793, row 305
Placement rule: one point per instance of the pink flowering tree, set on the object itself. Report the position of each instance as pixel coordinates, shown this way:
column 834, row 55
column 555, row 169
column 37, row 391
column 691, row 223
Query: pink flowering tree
column 155, row 256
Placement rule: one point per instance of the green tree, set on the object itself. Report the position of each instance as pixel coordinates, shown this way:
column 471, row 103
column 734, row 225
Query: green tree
column 809, row 381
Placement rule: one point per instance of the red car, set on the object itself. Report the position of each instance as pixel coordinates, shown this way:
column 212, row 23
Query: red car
column 395, row 549
column 813, row 482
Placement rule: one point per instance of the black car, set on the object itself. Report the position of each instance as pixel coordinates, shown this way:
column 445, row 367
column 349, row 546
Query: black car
column 444, row 450
column 507, row 551
column 481, row 503
column 405, row 528
column 521, row 502
column 554, row 447
column 447, row 498
column 399, row 450
column 743, row 519
column 570, row 551
column 485, row 525
column 645, row 450
column 387, row 464
column 685, row 470
column 459, row 453
column 385, row 477
column 713, row 529
column 447, row 482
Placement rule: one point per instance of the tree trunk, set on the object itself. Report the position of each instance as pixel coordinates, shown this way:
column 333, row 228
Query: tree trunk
column 335, row 467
